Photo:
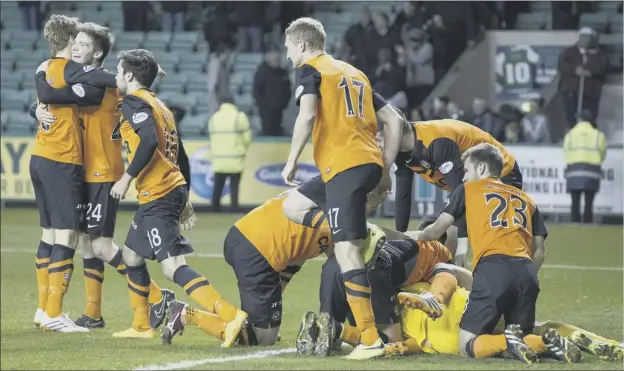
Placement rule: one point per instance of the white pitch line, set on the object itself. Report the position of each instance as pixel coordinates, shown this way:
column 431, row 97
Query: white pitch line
column 201, row 255
column 199, row 362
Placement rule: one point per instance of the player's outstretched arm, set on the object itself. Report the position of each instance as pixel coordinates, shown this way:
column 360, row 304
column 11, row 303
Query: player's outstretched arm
column 390, row 234
column 82, row 95
column 539, row 251
column 393, row 130
column 404, row 179
column 301, row 133
column 77, row 73
column 455, row 209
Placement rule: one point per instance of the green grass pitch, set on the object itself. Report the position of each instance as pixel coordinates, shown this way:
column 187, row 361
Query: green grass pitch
column 573, row 290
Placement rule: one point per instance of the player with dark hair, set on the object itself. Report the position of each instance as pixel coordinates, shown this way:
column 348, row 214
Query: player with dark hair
column 149, row 133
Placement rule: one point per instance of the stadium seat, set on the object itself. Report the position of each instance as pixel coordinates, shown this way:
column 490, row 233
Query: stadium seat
column 11, row 18
column 608, row 7
column 174, row 82
column 109, row 6
column 194, row 125
column 4, row 121
column 203, row 47
column 5, row 37
column 157, row 41
column 597, row 21
column 194, row 62
column 100, row 18
column 8, row 58
column 29, row 60
column 177, row 99
column 10, row 80
column 201, row 105
column 615, row 22
column 197, row 82
column 129, row 40
column 245, row 101
column 24, row 40
column 244, row 60
column 17, row 100
column 20, row 123
column 110, row 63
column 540, row 6
column 168, row 61
column 532, row 21
column 185, row 42
column 610, row 39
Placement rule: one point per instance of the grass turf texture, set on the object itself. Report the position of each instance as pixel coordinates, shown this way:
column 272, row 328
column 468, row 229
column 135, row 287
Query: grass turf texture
column 591, row 299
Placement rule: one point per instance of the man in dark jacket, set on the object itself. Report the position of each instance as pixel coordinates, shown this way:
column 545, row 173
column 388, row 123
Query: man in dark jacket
column 271, row 90
column 356, row 37
column 582, row 68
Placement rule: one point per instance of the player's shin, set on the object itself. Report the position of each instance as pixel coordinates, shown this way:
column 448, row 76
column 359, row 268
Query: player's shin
column 59, row 275
column 198, row 288
column 138, row 287
column 117, row 262
column 42, row 260
column 443, row 285
column 347, row 333
column 359, row 298
column 94, row 277
column 487, row 346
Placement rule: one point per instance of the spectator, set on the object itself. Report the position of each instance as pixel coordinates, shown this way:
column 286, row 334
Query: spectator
column 582, row 68
column 218, row 31
column 437, row 34
column 461, row 25
column 454, row 111
column 218, row 77
column 342, row 51
column 380, row 36
column 585, row 147
column 272, row 90
column 486, row 120
column 229, row 137
column 411, row 16
column 439, row 108
column 357, row 37
column 388, row 79
column 535, row 127
column 418, row 59
column 511, row 117
column 174, row 15
column 31, row 14
column 250, row 25
column 135, row 15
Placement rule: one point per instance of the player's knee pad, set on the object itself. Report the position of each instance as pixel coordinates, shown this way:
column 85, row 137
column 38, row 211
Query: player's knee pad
column 465, row 343
column 171, row 265
column 48, row 235
column 131, row 258
column 103, row 248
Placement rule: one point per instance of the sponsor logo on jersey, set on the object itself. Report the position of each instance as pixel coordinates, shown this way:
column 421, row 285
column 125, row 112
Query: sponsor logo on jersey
column 272, row 174
column 446, row 167
column 139, row 117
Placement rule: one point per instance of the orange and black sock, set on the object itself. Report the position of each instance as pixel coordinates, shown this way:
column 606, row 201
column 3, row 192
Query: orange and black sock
column 42, row 260
column 155, row 294
column 118, row 263
column 314, row 218
column 207, row 322
column 359, row 298
column 347, row 333
column 59, row 272
column 94, row 277
column 486, row 346
column 536, row 343
column 198, row 288
column 443, row 286
column 139, row 287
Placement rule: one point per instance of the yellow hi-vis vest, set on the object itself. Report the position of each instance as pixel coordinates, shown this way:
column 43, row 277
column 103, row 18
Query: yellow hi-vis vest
column 584, row 148
column 230, row 136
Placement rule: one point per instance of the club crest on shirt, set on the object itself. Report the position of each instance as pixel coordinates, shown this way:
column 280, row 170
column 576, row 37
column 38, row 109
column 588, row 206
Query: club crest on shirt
column 87, row 68
column 425, row 164
column 446, row 167
column 79, row 90
column 139, row 117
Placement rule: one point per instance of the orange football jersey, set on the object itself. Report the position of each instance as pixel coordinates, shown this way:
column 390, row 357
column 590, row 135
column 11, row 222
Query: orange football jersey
column 344, row 131
column 161, row 175
column 62, row 140
column 280, row 240
column 103, row 161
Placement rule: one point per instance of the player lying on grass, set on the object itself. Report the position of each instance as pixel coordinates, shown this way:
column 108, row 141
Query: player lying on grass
column 103, row 165
column 400, row 262
column 266, row 250
column 423, row 334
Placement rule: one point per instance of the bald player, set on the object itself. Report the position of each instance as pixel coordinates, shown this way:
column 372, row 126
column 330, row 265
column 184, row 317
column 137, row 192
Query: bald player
column 336, row 106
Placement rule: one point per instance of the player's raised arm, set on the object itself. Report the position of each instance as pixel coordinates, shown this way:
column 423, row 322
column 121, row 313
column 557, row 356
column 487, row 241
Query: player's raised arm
column 80, row 94
column 77, row 73
column 455, row 209
column 540, row 233
column 308, row 83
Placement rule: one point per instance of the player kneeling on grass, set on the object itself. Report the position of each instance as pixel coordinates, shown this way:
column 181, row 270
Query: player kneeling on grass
column 266, row 250
column 507, row 235
column 149, row 131
column 441, row 336
column 400, row 262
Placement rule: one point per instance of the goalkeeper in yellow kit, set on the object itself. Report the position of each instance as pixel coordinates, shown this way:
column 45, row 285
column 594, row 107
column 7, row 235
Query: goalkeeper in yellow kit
column 423, row 334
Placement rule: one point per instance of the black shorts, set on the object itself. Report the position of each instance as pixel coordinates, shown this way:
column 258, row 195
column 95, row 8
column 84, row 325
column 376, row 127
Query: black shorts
column 155, row 230
column 502, row 286
column 346, row 201
column 59, row 193
column 514, row 178
column 258, row 283
column 101, row 209
column 314, row 189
